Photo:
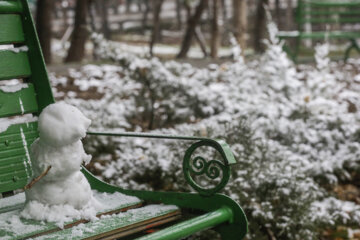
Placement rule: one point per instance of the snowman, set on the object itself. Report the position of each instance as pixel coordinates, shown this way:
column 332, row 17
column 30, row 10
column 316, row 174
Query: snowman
column 57, row 156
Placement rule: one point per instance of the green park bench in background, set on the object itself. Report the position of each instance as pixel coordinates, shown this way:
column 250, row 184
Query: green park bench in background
column 324, row 17
column 188, row 212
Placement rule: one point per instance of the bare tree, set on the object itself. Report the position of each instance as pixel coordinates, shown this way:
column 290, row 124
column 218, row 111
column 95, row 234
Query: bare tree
column 199, row 36
column 77, row 48
column 128, row 6
column 289, row 15
column 278, row 13
column 240, row 22
column 146, row 14
column 92, row 15
column 260, row 26
column 215, row 32
column 44, row 10
column 190, row 28
column 156, row 32
column 224, row 10
column 104, row 19
column 178, row 14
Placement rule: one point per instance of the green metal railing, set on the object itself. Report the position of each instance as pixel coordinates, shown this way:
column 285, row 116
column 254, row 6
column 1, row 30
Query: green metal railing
column 197, row 166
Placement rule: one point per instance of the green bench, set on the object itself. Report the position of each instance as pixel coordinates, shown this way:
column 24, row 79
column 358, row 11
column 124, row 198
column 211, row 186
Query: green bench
column 139, row 214
column 321, row 15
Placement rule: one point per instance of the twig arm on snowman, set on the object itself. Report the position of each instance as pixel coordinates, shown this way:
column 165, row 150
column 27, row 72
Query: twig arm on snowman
column 35, row 180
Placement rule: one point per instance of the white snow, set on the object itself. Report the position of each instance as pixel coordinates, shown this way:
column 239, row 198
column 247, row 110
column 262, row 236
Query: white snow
column 64, row 193
column 21, row 106
column 13, row 88
column 27, row 161
column 61, row 124
column 60, row 213
column 13, row 222
column 5, row 123
column 19, row 49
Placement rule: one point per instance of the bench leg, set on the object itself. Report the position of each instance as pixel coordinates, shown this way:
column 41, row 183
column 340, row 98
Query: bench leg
column 353, row 45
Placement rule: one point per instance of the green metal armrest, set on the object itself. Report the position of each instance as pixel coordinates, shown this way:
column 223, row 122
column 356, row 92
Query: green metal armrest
column 198, row 166
column 221, row 212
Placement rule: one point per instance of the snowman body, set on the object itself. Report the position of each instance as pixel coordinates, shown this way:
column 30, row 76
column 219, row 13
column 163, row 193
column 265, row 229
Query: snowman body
column 61, row 128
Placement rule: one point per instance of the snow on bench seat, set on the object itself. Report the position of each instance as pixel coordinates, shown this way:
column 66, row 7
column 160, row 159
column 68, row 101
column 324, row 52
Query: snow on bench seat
column 14, row 227
column 119, row 225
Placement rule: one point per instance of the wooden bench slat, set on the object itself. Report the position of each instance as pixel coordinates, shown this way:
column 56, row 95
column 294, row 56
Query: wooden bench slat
column 14, row 152
column 18, row 103
column 12, row 133
column 14, row 163
column 138, row 227
column 12, row 160
column 13, row 180
column 334, row 34
column 331, row 12
column 10, row 7
column 11, row 30
column 14, row 144
column 342, row 3
column 328, row 20
column 16, row 65
column 17, row 166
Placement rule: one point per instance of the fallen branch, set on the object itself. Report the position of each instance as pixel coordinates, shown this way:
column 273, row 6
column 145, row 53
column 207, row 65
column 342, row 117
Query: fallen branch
column 35, row 180
column 270, row 234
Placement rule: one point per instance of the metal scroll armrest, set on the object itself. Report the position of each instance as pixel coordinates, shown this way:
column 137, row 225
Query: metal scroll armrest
column 196, row 166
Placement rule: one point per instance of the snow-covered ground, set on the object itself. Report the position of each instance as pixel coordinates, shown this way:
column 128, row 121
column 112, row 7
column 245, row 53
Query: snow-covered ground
column 295, row 130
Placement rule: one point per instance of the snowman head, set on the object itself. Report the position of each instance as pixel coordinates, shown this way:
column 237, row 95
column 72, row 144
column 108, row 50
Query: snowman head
column 61, row 124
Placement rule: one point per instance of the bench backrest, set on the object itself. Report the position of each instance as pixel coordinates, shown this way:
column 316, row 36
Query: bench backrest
column 24, row 63
column 327, row 12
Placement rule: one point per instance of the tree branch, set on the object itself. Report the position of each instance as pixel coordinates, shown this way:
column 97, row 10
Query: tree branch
column 35, row 180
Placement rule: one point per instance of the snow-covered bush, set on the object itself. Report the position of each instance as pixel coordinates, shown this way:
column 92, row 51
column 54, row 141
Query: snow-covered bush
column 295, row 133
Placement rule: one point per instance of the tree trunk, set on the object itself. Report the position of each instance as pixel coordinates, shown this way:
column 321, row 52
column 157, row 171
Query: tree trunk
column 43, row 26
column 289, row 16
column 215, row 33
column 178, row 14
column 224, row 11
column 240, row 22
column 260, row 26
column 201, row 40
column 199, row 36
column 128, row 6
column 92, row 15
column 145, row 14
column 278, row 13
column 80, row 34
column 156, row 32
column 104, row 19
column 65, row 16
column 139, row 6
column 190, row 29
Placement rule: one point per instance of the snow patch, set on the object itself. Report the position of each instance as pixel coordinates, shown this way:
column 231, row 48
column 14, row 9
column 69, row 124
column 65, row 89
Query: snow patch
column 19, row 49
column 5, row 123
column 13, row 88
